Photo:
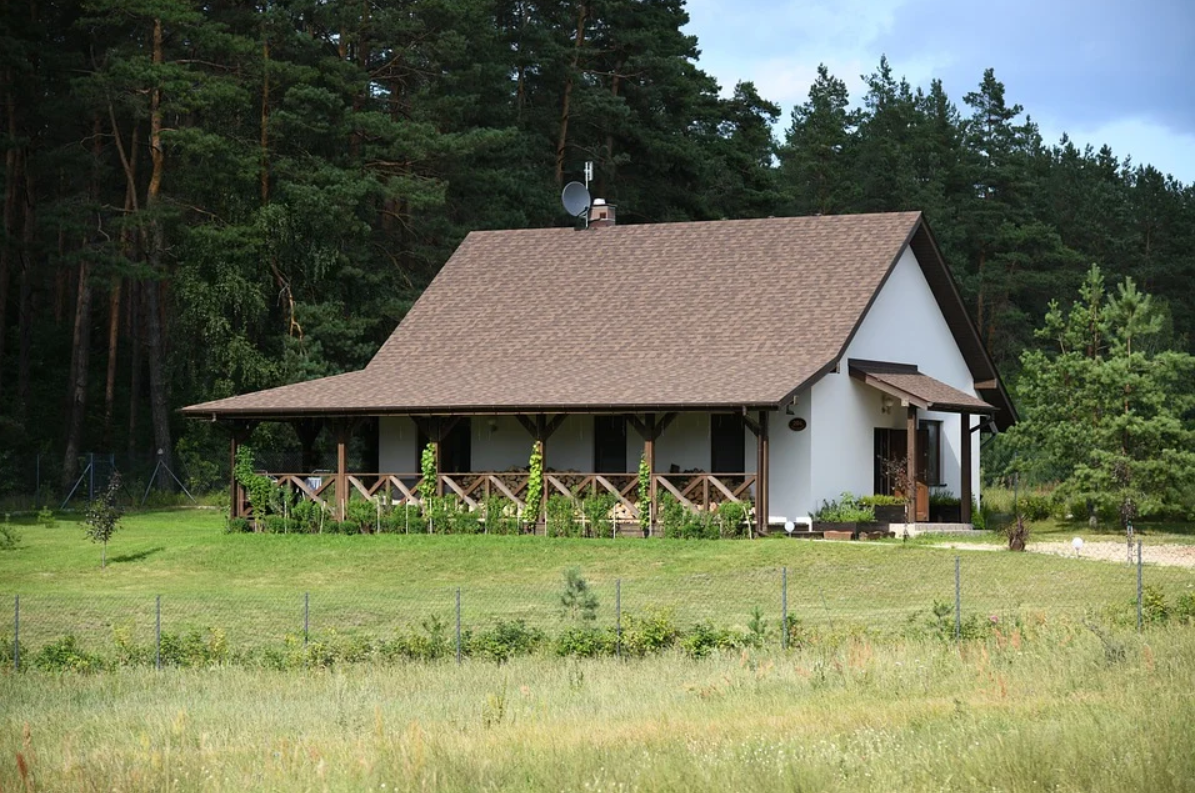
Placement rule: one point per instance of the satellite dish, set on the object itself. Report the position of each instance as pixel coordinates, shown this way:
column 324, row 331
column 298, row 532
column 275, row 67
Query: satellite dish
column 575, row 198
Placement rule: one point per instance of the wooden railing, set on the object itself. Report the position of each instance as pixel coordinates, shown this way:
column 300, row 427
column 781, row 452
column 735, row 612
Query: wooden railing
column 699, row 491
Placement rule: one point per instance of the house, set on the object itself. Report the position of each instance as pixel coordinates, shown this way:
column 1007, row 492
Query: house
column 778, row 360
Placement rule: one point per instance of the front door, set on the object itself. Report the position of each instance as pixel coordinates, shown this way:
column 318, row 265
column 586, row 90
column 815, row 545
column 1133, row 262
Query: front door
column 891, row 461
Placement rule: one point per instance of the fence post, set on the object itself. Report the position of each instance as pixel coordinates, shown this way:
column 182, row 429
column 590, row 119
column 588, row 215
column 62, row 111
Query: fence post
column 158, row 631
column 306, row 616
column 958, row 601
column 618, row 617
column 458, row 624
column 1140, row 600
column 783, row 608
column 16, row 636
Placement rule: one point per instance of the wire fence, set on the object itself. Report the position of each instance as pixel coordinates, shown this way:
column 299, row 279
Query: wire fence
column 932, row 592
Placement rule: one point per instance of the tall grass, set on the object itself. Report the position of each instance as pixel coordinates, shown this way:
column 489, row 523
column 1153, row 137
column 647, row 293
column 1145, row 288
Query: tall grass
column 1057, row 708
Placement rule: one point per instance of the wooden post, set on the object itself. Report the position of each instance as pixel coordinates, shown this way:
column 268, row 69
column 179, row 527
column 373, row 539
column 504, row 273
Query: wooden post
column 965, row 457
column 239, row 432
column 761, row 475
column 911, row 464
column 541, row 437
column 649, row 453
column 342, row 478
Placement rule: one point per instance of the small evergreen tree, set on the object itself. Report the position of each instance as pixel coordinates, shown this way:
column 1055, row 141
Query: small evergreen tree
column 578, row 602
column 103, row 516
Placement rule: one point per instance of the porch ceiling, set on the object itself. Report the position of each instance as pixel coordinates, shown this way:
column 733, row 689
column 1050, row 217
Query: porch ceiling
column 906, row 383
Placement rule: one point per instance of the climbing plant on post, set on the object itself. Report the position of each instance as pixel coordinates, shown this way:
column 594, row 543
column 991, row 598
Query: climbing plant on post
column 427, row 483
column 644, row 495
column 535, row 485
column 258, row 488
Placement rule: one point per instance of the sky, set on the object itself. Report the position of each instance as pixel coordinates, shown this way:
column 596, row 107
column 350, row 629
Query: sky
column 1103, row 71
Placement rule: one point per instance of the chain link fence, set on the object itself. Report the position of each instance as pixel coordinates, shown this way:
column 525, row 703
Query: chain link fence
column 828, row 597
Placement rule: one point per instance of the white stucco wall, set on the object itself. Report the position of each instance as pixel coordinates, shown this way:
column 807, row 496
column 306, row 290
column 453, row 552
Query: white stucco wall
column 904, row 325
column 398, row 439
column 791, row 479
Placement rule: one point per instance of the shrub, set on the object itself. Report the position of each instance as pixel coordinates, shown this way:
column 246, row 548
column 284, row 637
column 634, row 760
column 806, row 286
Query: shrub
column 195, row 648
column 585, row 642
column 879, row 500
column 306, row 516
column 430, row 643
column 436, row 509
column 731, row 518
column 465, row 521
column 260, row 489
column 651, row 633
column 275, row 524
column 1154, row 609
column 65, row 655
column 504, row 641
column 363, row 515
column 847, row 509
column 1184, row 609
column 1035, row 506
column 238, row 526
column 46, row 518
column 670, row 514
column 943, row 497
column 705, row 638
column 562, row 517
column 10, row 537
column 598, row 510
column 501, row 515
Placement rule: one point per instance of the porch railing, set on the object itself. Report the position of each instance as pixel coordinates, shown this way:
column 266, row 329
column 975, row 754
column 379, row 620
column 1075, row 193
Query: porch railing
column 697, row 491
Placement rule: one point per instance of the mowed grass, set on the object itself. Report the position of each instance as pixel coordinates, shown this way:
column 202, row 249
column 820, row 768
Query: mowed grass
column 253, row 587
column 1048, row 708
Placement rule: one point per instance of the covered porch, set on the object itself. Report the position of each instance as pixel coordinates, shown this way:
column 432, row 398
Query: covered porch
column 480, row 456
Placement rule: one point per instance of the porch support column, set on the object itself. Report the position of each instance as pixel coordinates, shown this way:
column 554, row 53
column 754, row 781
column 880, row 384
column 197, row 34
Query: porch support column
column 343, row 431
column 911, row 465
column 649, row 454
column 239, row 432
column 761, row 475
column 965, row 457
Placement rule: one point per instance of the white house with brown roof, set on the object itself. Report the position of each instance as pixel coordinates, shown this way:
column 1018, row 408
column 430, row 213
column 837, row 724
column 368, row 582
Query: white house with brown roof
column 779, row 360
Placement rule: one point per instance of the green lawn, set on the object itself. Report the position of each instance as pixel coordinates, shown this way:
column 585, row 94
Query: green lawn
column 253, row 586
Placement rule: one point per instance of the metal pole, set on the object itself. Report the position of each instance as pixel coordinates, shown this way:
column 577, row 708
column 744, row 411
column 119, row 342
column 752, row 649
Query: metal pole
column 458, row 625
column 158, row 631
column 1140, row 615
column 958, row 601
column 783, row 608
column 618, row 617
column 306, row 615
column 16, row 636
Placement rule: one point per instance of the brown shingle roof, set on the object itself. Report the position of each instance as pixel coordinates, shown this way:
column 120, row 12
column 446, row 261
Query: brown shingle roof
column 723, row 313
column 906, row 383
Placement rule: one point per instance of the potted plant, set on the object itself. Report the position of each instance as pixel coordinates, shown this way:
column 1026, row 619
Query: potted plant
column 944, row 506
column 888, row 509
column 844, row 518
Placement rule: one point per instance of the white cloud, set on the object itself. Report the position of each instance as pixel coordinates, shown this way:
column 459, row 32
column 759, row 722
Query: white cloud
column 1147, row 141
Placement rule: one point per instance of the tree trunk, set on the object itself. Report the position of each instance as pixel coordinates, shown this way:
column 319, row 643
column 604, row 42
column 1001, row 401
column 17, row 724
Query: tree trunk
column 562, row 138
column 77, row 389
column 265, row 120
column 136, row 364
column 156, row 243
column 12, row 178
column 25, row 310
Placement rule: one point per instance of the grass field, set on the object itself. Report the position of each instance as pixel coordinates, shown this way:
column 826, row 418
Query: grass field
column 1055, row 710
column 253, row 586
column 1041, row 702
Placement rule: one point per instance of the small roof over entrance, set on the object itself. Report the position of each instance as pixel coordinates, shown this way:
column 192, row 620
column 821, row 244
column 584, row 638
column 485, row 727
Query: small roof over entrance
column 904, row 382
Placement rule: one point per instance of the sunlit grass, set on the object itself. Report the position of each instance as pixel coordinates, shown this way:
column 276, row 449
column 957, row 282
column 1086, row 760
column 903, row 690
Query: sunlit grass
column 1052, row 708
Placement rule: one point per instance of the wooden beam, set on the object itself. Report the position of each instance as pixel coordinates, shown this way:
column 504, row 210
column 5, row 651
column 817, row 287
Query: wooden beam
column 649, row 452
column 911, row 464
column 664, row 422
column 761, row 481
column 751, row 424
column 965, row 459
column 343, row 431
column 638, row 424
column 986, row 384
column 527, row 423
column 554, row 424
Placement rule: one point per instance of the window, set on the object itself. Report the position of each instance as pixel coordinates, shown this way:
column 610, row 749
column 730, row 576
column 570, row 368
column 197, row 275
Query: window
column 727, row 449
column 609, row 445
column 456, row 450
column 933, row 452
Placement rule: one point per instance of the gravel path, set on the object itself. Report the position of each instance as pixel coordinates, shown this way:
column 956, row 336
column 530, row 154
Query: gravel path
column 1168, row 555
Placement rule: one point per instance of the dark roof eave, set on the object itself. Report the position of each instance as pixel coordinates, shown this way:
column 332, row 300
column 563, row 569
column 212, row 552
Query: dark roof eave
column 260, row 414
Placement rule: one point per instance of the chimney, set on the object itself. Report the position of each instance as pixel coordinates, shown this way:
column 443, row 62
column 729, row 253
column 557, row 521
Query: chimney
column 601, row 214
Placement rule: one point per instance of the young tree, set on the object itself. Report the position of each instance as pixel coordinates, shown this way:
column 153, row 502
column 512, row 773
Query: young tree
column 1104, row 412
column 103, row 516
